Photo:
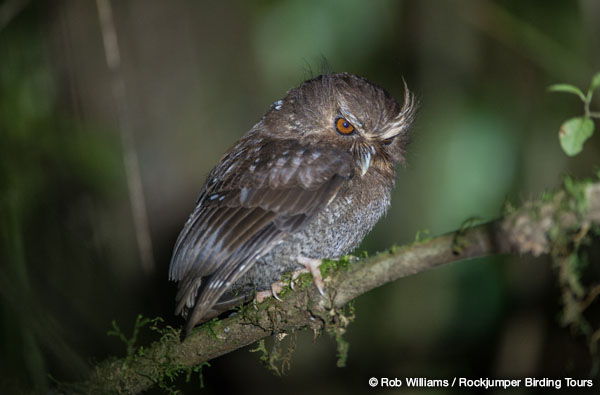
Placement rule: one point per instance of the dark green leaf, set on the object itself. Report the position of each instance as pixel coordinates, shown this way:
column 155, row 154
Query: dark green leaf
column 573, row 133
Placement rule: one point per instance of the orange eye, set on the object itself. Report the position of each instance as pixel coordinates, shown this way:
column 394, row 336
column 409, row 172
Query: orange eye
column 388, row 141
column 343, row 126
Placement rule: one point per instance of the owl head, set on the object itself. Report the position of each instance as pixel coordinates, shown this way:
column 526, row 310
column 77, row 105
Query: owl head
column 348, row 112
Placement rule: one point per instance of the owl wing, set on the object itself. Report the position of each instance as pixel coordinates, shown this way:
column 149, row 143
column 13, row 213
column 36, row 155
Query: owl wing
column 257, row 195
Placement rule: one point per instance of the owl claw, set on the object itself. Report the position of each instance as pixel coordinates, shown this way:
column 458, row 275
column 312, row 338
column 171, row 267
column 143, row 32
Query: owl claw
column 275, row 289
column 312, row 266
column 273, row 292
column 295, row 276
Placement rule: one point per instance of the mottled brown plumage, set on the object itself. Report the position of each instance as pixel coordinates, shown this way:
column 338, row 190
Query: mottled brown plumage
column 310, row 179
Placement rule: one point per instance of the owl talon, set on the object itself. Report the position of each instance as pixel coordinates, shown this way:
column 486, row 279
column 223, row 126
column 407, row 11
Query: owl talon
column 312, row 266
column 276, row 288
column 320, row 287
column 272, row 292
column 295, row 276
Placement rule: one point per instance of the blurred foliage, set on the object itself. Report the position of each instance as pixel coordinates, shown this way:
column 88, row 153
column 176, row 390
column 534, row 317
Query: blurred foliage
column 200, row 74
column 287, row 31
column 54, row 176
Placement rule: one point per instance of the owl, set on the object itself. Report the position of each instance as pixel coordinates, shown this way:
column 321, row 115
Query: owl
column 307, row 182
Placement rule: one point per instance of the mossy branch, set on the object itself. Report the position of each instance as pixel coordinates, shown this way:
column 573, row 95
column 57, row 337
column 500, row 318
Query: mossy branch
column 545, row 226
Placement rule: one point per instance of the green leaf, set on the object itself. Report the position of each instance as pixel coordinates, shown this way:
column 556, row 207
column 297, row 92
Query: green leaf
column 595, row 81
column 573, row 134
column 568, row 89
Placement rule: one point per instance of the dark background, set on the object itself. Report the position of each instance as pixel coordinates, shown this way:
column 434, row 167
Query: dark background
column 197, row 75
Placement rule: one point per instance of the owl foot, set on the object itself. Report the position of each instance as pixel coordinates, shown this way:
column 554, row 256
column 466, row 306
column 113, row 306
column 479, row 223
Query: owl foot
column 312, row 266
column 275, row 289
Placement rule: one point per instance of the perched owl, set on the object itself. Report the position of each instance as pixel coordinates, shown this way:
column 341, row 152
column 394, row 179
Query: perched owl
column 307, row 182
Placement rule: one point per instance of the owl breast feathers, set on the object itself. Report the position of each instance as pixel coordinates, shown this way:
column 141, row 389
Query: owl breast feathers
column 310, row 179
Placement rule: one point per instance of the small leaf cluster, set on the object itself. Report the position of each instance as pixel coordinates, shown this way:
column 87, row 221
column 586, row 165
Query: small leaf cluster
column 575, row 131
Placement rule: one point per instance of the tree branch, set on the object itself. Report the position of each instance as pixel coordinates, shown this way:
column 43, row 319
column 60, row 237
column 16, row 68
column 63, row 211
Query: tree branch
column 538, row 227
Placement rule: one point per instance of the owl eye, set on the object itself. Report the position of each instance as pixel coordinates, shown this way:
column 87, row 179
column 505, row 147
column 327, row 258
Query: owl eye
column 388, row 141
column 343, row 126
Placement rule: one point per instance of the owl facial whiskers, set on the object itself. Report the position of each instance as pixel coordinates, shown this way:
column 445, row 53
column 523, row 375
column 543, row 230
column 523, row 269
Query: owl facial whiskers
column 363, row 154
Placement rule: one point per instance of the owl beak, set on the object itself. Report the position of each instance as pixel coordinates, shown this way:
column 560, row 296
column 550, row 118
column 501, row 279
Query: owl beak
column 364, row 162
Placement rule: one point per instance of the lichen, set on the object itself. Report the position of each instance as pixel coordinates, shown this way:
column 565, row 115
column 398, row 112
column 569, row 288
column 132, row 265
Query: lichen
column 278, row 359
column 163, row 369
column 422, row 235
column 210, row 326
column 571, row 234
column 459, row 241
column 140, row 323
column 336, row 327
column 330, row 266
column 577, row 194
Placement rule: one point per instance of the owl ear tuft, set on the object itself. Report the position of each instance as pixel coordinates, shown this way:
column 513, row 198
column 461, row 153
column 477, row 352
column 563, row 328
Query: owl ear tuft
column 409, row 107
